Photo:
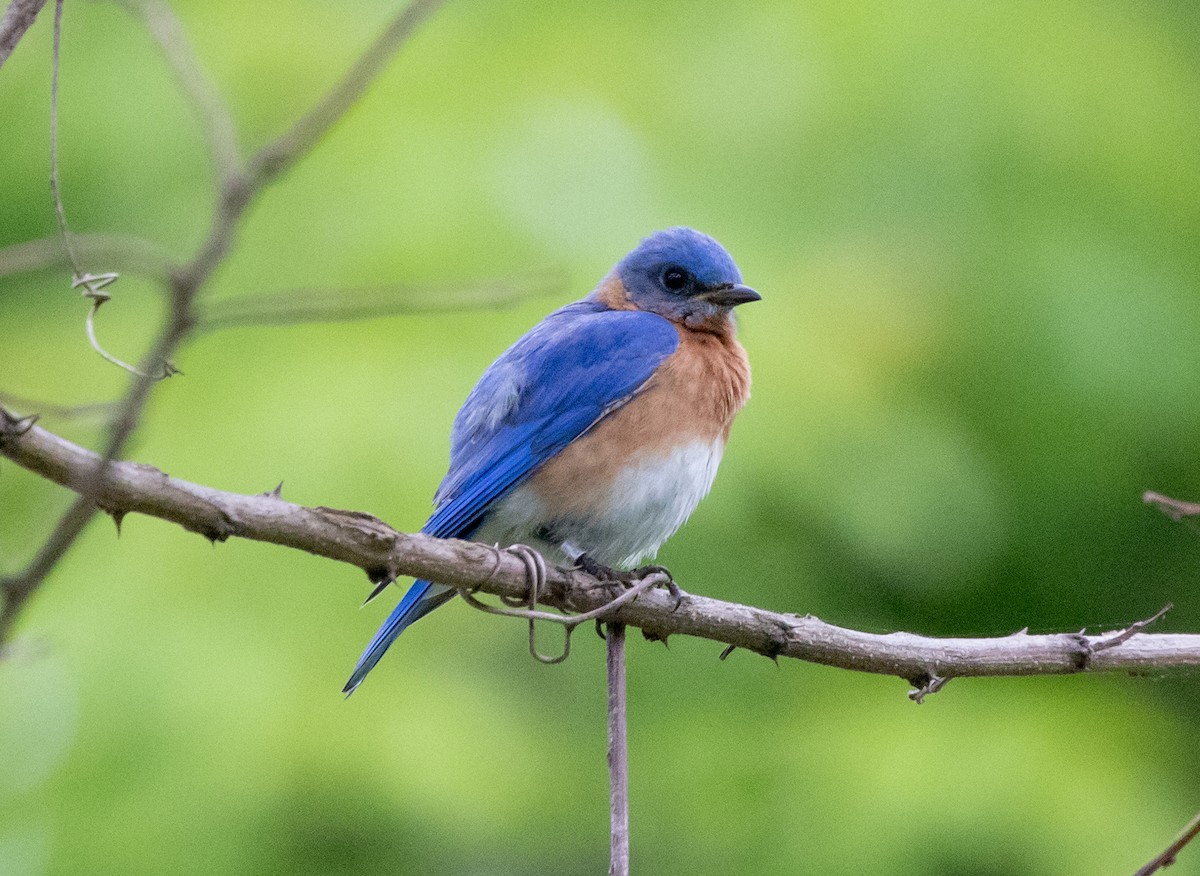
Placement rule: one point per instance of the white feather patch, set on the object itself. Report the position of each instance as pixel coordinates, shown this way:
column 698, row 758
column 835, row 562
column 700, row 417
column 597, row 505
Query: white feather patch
column 630, row 519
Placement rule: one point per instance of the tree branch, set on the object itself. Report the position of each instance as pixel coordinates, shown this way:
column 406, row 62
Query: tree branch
column 384, row 553
column 618, row 752
column 18, row 18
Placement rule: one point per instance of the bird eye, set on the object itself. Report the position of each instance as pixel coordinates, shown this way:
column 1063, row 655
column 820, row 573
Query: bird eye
column 675, row 278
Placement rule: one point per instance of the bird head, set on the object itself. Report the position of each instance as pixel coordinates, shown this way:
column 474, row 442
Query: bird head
column 685, row 276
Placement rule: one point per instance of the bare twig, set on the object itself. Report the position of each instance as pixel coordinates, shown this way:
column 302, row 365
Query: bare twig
column 298, row 306
column 185, row 284
column 618, row 753
column 384, row 553
column 133, row 254
column 59, row 211
column 1130, row 631
column 86, row 411
column 1176, row 509
column 1167, row 858
column 93, row 285
column 18, row 18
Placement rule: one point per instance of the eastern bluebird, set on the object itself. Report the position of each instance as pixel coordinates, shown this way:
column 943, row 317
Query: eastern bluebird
column 594, row 437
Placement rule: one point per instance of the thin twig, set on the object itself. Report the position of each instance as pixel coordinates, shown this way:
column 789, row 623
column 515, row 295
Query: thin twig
column 1167, row 858
column 1130, row 631
column 297, row 306
column 85, row 411
column 618, row 753
column 18, row 18
column 59, row 211
column 384, row 553
column 1176, row 509
column 94, row 285
column 134, row 254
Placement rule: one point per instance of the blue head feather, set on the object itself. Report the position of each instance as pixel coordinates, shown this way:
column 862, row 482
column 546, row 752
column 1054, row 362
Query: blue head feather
column 684, row 275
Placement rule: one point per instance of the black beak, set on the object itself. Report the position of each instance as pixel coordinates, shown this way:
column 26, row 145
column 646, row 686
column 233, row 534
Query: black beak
column 730, row 295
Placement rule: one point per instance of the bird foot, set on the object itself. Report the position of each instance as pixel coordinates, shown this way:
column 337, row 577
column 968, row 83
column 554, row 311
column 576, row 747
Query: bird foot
column 607, row 573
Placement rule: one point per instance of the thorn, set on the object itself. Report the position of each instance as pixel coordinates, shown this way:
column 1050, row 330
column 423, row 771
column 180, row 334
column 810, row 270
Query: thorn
column 650, row 636
column 117, row 517
column 379, row 588
column 932, row 684
column 220, row 532
column 18, row 427
column 600, row 629
column 1132, row 630
column 276, row 493
column 728, row 650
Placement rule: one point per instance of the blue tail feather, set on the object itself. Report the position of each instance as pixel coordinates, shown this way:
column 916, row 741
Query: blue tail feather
column 422, row 598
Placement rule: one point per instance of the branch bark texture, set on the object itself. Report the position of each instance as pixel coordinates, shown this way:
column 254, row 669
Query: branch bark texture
column 383, row 553
column 18, row 18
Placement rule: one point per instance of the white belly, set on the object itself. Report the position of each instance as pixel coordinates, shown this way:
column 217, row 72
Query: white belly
column 627, row 522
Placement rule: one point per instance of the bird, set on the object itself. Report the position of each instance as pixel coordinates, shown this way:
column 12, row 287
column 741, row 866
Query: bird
column 594, row 436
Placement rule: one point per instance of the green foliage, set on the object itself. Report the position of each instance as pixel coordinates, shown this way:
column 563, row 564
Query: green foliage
column 974, row 228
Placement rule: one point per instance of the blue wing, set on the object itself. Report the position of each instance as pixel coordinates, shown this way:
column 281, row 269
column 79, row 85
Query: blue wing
column 547, row 389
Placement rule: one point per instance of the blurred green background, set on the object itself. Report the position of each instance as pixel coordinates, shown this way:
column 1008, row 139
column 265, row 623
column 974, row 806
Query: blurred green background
column 975, row 228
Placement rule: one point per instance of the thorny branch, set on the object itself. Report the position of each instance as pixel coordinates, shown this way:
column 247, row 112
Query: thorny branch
column 384, row 553
column 236, row 192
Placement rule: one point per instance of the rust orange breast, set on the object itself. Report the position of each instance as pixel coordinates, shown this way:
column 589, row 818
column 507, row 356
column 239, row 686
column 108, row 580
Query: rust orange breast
column 693, row 397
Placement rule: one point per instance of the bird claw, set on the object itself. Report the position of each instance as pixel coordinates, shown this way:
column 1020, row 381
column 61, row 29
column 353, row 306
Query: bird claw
column 607, row 573
column 674, row 589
